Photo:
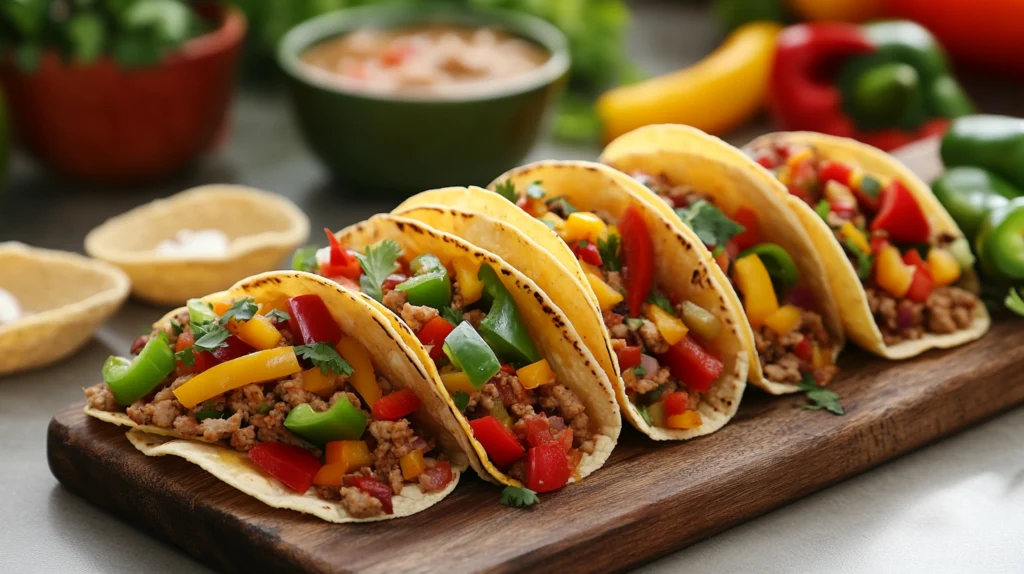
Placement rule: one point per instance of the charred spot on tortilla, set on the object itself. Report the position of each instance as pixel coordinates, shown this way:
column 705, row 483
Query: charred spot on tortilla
column 507, row 272
column 540, row 299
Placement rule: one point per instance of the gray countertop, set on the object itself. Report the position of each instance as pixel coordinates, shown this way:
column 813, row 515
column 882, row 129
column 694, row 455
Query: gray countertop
column 957, row 506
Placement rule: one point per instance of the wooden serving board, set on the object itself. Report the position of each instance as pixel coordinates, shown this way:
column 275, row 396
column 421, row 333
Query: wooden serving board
column 650, row 499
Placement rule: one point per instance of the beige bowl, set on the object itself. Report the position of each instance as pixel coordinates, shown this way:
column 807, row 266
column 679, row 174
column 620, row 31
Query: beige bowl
column 262, row 228
column 67, row 297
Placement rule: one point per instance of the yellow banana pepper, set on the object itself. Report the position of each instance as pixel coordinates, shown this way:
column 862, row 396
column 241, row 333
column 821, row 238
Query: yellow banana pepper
column 944, row 267
column 607, row 297
column 257, row 332
column 583, row 226
column 716, row 94
column 891, row 273
column 687, row 420
column 536, row 374
column 363, row 377
column 256, row 367
column 412, row 464
column 470, row 286
column 753, row 281
column 315, row 381
column 784, row 320
column 671, row 328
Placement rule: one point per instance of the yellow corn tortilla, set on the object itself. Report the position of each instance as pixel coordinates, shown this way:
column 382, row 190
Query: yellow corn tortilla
column 853, row 303
column 391, row 359
column 552, row 332
column 688, row 156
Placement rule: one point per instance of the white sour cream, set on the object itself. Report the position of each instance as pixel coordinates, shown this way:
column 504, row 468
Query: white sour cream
column 202, row 242
column 10, row 309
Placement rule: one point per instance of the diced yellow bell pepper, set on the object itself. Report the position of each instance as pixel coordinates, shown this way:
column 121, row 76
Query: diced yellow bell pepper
column 535, row 207
column 657, row 413
column 315, row 381
column 557, row 223
column 280, row 304
column 536, row 374
column 753, row 281
column 456, row 381
column 363, row 377
column 671, row 328
column 891, row 273
column 944, row 267
column 701, row 321
column 856, row 236
column 257, row 332
column 256, row 367
column 470, row 285
column 687, row 420
column 856, row 177
column 799, row 157
column 784, row 320
column 820, row 358
column 583, row 225
column 352, row 453
column 220, row 307
column 607, row 297
column 412, row 464
column 838, row 194
column 330, row 474
column 784, row 175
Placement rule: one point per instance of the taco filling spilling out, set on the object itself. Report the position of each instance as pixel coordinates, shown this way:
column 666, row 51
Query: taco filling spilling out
column 281, row 382
column 907, row 269
column 791, row 339
column 533, row 428
column 660, row 344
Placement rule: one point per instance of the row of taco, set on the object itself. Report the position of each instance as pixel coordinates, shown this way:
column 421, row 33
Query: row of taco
column 511, row 329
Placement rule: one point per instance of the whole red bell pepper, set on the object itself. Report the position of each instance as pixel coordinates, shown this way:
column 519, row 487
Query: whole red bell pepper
column 547, row 468
column 900, row 215
column 311, row 321
column 690, row 363
column 885, row 84
column 293, row 466
column 501, row 444
column 638, row 256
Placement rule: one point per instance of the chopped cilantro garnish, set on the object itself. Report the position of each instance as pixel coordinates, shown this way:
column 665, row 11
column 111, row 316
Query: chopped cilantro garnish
column 870, row 186
column 658, row 298
column 640, row 372
column 711, row 225
column 645, row 415
column 210, row 336
column 278, row 315
column 177, row 327
column 451, row 315
column 1014, row 302
column 242, row 310
column 186, row 356
column 305, row 259
column 461, row 400
column 378, row 262
column 506, row 189
column 864, row 259
column 609, row 250
column 518, row 497
column 822, row 209
column 536, row 190
column 324, row 356
column 820, row 398
column 561, row 204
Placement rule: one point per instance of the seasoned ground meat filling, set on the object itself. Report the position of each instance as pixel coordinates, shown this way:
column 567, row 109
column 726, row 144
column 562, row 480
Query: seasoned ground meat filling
column 947, row 310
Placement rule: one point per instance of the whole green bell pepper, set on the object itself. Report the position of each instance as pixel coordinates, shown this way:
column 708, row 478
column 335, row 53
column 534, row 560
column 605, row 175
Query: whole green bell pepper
column 968, row 193
column 995, row 143
column 340, row 422
column 1000, row 241
column 430, row 284
column 503, row 327
column 130, row 380
column 469, row 353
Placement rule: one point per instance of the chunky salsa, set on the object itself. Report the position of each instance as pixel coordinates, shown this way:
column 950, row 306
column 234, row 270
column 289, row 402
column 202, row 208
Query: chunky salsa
column 533, row 427
column 907, row 268
column 789, row 335
column 280, row 381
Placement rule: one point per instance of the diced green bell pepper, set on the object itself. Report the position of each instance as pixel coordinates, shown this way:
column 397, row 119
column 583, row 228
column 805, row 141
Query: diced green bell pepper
column 503, row 327
column 424, row 264
column 429, row 285
column 469, row 353
column 340, row 422
column 131, row 380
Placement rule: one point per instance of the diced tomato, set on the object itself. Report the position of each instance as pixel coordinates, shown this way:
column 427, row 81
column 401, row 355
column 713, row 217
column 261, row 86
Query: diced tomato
column 396, row 405
column 185, row 340
column 750, row 236
column 393, row 281
column 782, row 149
column 588, row 254
column 433, row 335
column 638, row 255
column 765, row 160
column 547, row 468
column 901, row 216
column 676, row 403
column 374, row 488
column 797, row 191
column 436, row 477
column 629, row 357
column 804, row 350
column 834, row 171
column 311, row 321
column 539, row 431
column 690, row 363
column 293, row 466
column 921, row 286
column 499, row 442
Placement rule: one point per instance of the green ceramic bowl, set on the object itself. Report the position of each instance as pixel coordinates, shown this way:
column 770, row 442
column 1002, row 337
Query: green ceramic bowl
column 402, row 144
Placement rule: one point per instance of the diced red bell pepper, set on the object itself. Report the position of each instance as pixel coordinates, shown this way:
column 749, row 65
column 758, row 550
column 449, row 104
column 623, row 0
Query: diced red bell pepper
column 433, row 335
column 834, row 171
column 750, row 236
column 588, row 254
column 922, row 284
column 797, row 191
column 204, row 360
column 509, row 369
column 185, row 340
column 374, row 488
column 690, row 363
column 676, row 403
column 342, row 263
column 394, row 280
column 396, row 405
column 804, row 350
column 638, row 255
column 878, row 242
column 293, row 466
column 765, row 160
column 629, row 357
column 436, row 477
column 538, row 432
column 547, row 468
column 913, row 258
column 901, row 216
column 501, row 444
column 311, row 321
column 234, row 348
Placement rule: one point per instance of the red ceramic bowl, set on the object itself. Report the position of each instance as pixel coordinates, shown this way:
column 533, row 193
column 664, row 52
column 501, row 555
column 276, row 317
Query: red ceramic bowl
column 101, row 123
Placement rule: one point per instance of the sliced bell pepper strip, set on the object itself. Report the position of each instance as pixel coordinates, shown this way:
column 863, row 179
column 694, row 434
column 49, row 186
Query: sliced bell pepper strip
column 503, row 327
column 690, row 363
column 255, row 368
column 536, row 374
column 258, row 332
column 469, row 353
column 130, row 380
column 363, row 377
column 311, row 321
column 470, row 286
column 374, row 488
column 292, row 465
column 341, row 264
column 752, row 279
column 638, row 257
column 901, row 216
column 607, row 297
column 412, row 464
column 547, row 468
column 784, row 320
column 340, row 422
column 501, row 445
column 628, row 357
column 433, row 335
column 396, row 405
column 778, row 262
column 701, row 321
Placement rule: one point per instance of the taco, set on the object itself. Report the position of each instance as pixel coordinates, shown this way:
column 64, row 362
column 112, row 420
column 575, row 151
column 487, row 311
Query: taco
column 900, row 267
column 537, row 406
column 295, row 391
column 677, row 357
column 793, row 326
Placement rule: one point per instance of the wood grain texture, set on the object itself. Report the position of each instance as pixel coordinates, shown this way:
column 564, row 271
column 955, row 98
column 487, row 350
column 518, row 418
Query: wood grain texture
column 650, row 498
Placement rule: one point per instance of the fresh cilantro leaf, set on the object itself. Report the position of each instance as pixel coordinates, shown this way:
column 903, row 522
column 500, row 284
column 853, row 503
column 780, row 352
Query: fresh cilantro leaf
column 820, row 398
column 186, row 356
column 324, row 356
column 506, row 189
column 461, row 400
column 870, row 186
column 645, row 415
column 536, row 190
column 305, row 259
column 609, row 250
column 518, row 497
column 210, row 336
column 561, row 204
column 278, row 315
column 711, row 225
column 451, row 315
column 177, row 327
column 242, row 310
column 633, row 323
column 378, row 262
column 1014, row 302
column 822, row 209
column 864, row 259
column 640, row 372
column 658, row 298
